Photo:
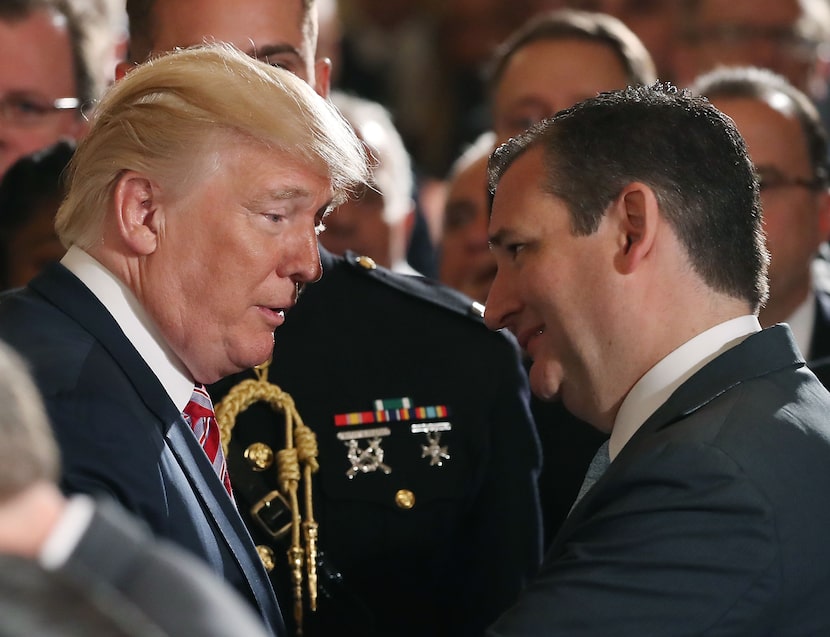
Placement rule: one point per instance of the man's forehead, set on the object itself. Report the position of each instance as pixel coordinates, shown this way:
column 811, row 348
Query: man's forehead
column 249, row 25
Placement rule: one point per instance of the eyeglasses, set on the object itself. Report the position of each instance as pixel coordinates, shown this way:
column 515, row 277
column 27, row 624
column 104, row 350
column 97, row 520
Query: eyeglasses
column 773, row 180
column 28, row 111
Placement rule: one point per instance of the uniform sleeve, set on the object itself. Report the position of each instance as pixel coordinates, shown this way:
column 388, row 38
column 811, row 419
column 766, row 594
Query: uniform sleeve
column 504, row 546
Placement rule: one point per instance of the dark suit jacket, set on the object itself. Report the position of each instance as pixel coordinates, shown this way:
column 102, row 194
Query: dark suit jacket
column 712, row 520
column 450, row 563
column 174, row 590
column 120, row 434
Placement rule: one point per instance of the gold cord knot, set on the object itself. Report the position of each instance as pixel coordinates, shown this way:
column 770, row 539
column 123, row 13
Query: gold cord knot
column 297, row 461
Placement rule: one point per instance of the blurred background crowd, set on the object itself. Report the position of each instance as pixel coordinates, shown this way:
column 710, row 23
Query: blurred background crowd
column 430, row 64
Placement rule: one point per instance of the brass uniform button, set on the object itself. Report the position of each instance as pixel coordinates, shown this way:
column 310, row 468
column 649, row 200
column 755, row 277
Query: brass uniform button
column 405, row 499
column 267, row 557
column 367, row 263
column 259, row 456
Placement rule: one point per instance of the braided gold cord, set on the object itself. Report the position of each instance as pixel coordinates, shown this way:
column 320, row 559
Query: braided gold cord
column 300, row 450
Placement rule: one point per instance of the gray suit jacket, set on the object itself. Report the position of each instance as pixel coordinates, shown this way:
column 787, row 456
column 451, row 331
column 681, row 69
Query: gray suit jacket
column 712, row 520
column 177, row 592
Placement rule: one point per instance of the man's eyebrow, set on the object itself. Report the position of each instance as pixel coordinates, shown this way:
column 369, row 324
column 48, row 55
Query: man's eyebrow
column 499, row 238
column 288, row 193
column 283, row 194
column 263, row 52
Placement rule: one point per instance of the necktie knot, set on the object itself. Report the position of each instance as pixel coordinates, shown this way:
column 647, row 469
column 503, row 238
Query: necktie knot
column 200, row 416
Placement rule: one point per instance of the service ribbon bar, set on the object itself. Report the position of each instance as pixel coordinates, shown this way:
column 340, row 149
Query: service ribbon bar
column 396, row 410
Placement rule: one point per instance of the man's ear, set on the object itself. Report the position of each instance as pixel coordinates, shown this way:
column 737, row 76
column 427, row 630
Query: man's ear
column 322, row 77
column 137, row 212
column 636, row 214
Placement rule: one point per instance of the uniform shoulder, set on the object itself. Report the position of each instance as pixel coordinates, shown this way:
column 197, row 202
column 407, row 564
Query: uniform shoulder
column 418, row 287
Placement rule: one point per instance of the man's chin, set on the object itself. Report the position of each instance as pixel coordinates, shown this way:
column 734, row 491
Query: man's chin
column 255, row 353
column 545, row 380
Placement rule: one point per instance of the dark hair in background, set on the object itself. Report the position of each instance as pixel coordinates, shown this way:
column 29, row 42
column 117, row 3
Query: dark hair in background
column 684, row 149
column 581, row 25
column 30, row 183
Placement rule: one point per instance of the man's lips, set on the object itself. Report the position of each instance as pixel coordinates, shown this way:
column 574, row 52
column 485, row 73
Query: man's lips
column 527, row 337
column 274, row 315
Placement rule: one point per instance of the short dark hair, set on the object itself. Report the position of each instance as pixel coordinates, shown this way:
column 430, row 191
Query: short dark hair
column 684, row 149
column 762, row 84
column 85, row 80
column 582, row 25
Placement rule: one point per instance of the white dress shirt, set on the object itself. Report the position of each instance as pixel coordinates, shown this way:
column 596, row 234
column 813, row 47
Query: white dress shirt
column 658, row 383
column 136, row 324
column 63, row 539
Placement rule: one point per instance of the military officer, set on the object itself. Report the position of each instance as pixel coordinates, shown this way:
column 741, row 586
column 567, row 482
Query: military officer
column 426, row 497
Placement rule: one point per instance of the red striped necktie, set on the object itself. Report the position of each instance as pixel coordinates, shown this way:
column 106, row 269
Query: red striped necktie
column 200, row 416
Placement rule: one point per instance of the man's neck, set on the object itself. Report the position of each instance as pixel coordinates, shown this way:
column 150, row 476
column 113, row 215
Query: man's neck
column 27, row 518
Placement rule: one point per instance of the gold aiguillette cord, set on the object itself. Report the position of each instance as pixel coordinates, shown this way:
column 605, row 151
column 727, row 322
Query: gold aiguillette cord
column 300, row 451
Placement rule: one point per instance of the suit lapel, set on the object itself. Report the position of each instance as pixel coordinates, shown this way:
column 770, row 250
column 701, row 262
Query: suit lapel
column 767, row 351
column 216, row 502
column 64, row 290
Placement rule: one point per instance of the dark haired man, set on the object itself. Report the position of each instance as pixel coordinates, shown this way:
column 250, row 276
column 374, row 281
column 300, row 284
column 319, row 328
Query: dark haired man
column 631, row 266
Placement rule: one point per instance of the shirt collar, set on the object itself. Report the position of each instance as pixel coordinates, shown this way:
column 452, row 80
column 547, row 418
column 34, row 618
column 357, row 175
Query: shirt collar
column 658, row 383
column 134, row 321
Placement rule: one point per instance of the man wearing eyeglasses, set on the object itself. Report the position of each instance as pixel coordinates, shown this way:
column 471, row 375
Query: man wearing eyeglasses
column 45, row 78
column 782, row 35
column 788, row 145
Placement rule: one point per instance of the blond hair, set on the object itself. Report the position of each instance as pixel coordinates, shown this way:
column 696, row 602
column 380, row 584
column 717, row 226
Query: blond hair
column 167, row 117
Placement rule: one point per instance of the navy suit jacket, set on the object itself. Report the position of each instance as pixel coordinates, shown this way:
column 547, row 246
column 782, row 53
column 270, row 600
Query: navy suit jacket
column 120, row 434
column 712, row 520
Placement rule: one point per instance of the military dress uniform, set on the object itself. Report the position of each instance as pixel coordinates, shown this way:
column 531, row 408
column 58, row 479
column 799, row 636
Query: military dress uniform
column 426, row 493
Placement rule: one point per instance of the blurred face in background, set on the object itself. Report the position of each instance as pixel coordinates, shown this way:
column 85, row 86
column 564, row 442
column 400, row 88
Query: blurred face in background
column 466, row 262
column 796, row 211
column 270, row 30
column 762, row 33
column 36, row 70
column 655, row 22
column 546, row 76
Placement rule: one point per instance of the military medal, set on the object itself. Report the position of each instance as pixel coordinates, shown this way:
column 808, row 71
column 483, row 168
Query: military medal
column 365, row 459
column 433, row 449
column 369, row 459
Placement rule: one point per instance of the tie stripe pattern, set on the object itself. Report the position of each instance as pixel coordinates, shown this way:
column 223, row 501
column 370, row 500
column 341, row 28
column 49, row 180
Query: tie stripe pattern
column 200, row 416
